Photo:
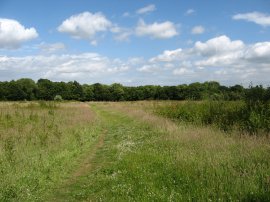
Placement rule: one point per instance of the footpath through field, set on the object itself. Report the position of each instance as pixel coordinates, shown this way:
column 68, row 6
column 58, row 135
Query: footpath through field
column 142, row 157
column 114, row 169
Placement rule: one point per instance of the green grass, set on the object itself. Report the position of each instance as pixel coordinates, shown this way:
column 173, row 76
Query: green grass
column 251, row 118
column 123, row 152
column 39, row 146
column 147, row 158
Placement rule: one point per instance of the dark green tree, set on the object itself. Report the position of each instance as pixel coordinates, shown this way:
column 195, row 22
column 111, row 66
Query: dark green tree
column 46, row 89
column 29, row 87
column 101, row 92
column 117, row 92
column 88, row 93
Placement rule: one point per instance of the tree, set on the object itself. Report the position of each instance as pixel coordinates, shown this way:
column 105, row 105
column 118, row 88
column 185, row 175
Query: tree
column 117, row 92
column 3, row 90
column 75, row 91
column 46, row 89
column 101, row 92
column 236, row 92
column 29, row 87
column 195, row 91
column 88, row 93
column 15, row 91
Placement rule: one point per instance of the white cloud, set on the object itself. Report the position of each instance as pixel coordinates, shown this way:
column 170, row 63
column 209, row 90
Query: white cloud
column 52, row 48
column 13, row 34
column 218, row 45
column 156, row 30
column 198, row 30
column 169, row 55
column 146, row 9
column 150, row 68
column 235, row 54
column 190, row 12
column 259, row 52
column 85, row 25
column 221, row 58
column 256, row 17
column 219, row 52
column 182, row 71
column 62, row 67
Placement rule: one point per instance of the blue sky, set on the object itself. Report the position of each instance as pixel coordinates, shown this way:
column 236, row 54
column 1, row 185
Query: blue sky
column 136, row 42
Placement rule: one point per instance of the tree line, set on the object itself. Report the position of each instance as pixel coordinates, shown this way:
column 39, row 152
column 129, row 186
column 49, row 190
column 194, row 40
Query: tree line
column 44, row 89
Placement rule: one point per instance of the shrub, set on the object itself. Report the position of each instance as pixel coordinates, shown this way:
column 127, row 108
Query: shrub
column 58, row 98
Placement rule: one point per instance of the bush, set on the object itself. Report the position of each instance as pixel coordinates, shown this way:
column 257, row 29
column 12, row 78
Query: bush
column 58, row 98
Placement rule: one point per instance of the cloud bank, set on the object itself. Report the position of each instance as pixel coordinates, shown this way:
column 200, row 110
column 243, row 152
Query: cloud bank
column 221, row 58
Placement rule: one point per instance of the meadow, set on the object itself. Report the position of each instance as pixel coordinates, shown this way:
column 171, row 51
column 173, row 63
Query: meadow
column 132, row 151
column 39, row 143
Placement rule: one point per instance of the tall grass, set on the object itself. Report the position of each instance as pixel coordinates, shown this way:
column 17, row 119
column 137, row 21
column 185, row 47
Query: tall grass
column 246, row 117
column 150, row 158
column 39, row 145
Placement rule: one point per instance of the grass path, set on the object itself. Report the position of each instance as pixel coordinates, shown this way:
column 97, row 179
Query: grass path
column 87, row 164
column 141, row 157
column 122, row 135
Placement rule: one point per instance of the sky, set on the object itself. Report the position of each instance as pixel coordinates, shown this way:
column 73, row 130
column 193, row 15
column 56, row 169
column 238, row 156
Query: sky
column 135, row 43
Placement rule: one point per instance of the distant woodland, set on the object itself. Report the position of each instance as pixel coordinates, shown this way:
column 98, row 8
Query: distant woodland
column 44, row 89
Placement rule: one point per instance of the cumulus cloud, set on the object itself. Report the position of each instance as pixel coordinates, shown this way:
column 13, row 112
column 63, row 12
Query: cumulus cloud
column 197, row 30
column 256, row 17
column 13, row 34
column 146, row 9
column 156, row 30
column 219, row 58
column 232, row 54
column 85, row 25
column 259, row 52
column 218, row 45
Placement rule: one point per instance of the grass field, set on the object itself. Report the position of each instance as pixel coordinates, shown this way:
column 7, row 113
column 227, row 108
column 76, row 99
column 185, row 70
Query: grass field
column 124, row 152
